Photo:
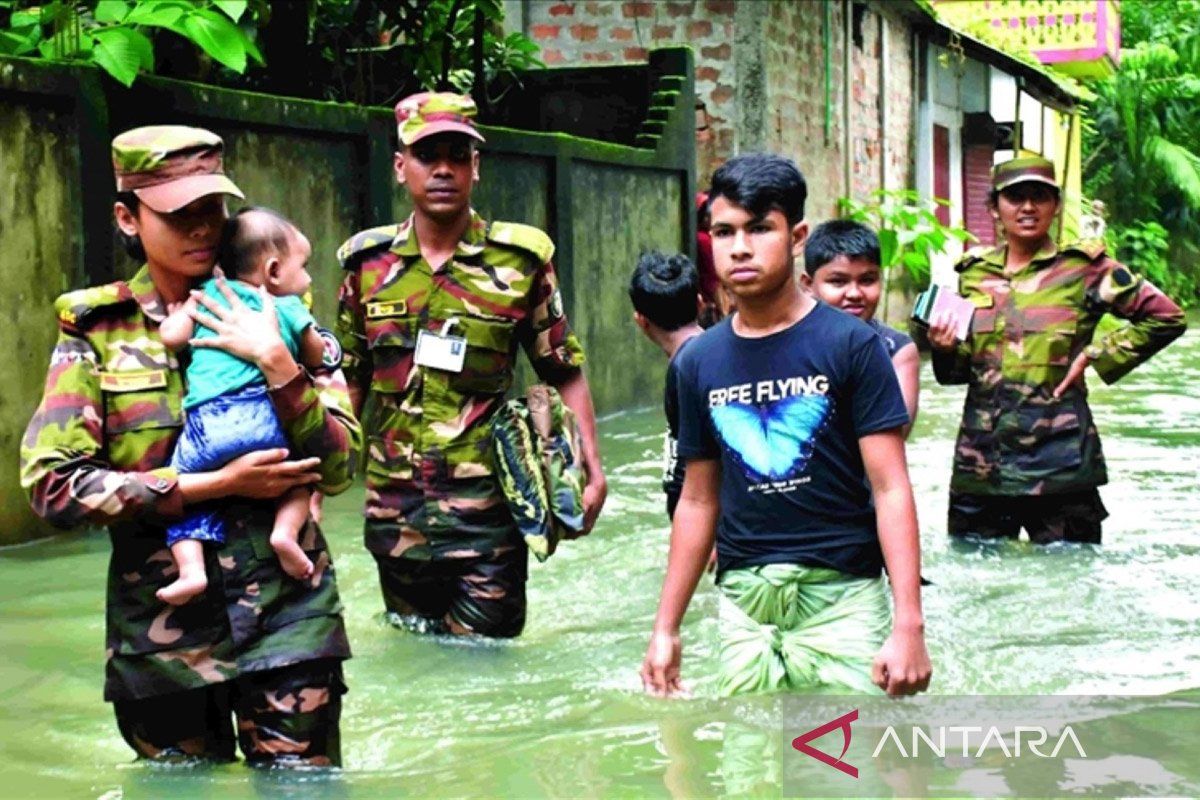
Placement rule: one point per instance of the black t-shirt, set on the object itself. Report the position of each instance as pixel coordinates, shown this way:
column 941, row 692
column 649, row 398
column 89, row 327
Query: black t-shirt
column 893, row 339
column 784, row 414
column 673, row 466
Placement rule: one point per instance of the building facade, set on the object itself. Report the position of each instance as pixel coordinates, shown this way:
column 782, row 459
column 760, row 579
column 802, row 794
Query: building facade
column 863, row 95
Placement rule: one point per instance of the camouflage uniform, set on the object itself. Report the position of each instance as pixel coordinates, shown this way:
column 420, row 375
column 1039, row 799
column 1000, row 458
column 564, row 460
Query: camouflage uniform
column 437, row 523
column 1016, row 439
column 432, row 490
column 96, row 452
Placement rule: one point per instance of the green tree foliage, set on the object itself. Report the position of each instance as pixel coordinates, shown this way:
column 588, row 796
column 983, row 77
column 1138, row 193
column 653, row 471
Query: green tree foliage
column 1142, row 143
column 361, row 51
column 910, row 234
column 376, row 51
column 118, row 35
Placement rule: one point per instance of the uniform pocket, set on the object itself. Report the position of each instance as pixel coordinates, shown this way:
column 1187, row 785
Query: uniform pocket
column 983, row 320
column 392, row 342
column 487, row 368
column 138, row 622
column 1049, row 335
column 141, row 409
column 138, row 400
column 1048, row 437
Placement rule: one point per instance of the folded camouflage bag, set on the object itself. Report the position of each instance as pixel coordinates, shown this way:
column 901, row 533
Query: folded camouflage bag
column 541, row 472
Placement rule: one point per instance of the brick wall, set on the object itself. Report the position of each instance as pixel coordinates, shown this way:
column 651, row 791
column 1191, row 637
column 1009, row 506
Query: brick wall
column 760, row 74
column 581, row 32
column 795, row 75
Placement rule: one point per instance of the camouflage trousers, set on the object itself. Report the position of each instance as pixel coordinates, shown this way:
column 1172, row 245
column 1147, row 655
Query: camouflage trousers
column 1048, row 518
column 484, row 596
column 285, row 717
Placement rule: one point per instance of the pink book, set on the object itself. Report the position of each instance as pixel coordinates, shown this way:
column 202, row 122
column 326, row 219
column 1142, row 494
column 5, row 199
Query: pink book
column 938, row 300
column 959, row 309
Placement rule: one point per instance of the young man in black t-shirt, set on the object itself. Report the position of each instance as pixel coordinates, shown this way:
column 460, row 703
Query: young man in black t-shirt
column 665, row 291
column 787, row 409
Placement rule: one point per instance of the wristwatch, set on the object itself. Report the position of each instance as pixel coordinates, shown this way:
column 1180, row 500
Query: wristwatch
column 1093, row 352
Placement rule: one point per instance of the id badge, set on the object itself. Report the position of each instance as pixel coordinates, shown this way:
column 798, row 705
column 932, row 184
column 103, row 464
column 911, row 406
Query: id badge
column 441, row 350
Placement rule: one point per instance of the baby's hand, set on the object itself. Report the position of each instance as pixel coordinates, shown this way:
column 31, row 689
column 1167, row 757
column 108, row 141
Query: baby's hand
column 175, row 308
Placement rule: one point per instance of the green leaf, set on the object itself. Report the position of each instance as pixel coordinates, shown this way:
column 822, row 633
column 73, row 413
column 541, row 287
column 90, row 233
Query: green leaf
column 160, row 14
column 234, row 9
column 253, row 51
column 13, row 45
column 20, row 19
column 1180, row 165
column 111, row 10
column 122, row 52
column 48, row 48
column 218, row 37
column 889, row 246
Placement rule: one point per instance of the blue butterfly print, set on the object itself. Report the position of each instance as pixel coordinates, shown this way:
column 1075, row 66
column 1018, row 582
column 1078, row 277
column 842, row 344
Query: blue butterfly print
column 772, row 442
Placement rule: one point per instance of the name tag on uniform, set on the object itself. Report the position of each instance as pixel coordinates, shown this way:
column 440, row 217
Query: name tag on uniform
column 139, row 380
column 441, row 350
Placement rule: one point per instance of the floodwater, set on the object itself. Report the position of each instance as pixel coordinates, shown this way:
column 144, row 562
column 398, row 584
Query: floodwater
column 558, row 713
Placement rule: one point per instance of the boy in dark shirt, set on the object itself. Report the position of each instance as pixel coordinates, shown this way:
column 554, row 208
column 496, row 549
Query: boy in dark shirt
column 841, row 267
column 786, row 409
column 665, row 294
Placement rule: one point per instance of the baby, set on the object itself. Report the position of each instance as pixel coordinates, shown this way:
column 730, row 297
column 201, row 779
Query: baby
column 228, row 410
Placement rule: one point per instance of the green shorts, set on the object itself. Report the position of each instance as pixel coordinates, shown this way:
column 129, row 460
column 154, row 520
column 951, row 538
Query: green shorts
column 798, row 628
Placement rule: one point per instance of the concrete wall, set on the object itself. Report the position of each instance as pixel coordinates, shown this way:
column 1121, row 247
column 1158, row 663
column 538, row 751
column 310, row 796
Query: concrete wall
column 606, row 197
column 41, row 257
column 329, row 168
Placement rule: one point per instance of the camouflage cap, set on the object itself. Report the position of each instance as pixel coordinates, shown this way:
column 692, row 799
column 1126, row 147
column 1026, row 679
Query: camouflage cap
column 169, row 166
column 427, row 113
column 1022, row 170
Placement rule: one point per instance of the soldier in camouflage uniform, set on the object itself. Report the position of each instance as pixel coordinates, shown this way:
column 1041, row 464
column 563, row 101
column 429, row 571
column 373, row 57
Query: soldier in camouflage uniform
column 1028, row 454
column 257, row 643
column 431, row 313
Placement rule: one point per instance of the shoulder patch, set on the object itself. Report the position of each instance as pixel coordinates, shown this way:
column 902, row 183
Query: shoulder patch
column 526, row 237
column 363, row 241
column 1091, row 248
column 84, row 306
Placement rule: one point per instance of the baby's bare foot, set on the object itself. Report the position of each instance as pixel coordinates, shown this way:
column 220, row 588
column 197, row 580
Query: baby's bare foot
column 183, row 589
column 291, row 556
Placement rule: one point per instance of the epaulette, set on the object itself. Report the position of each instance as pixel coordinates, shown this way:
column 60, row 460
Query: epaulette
column 1092, row 248
column 82, row 307
column 361, row 242
column 526, row 237
column 977, row 253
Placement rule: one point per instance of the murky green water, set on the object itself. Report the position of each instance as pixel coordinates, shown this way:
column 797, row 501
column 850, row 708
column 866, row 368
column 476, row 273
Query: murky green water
column 559, row 712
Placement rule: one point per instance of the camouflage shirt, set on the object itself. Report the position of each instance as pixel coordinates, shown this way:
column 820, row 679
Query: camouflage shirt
column 432, row 491
column 1029, row 325
column 97, row 450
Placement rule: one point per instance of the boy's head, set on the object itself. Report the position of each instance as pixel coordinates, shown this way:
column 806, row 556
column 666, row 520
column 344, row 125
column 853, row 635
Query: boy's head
column 262, row 247
column 841, row 266
column 756, row 219
column 665, row 291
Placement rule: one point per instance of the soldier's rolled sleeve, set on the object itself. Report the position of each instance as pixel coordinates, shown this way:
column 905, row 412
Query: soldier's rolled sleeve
column 552, row 347
column 350, row 330
column 319, row 422
column 1154, row 320
column 67, row 482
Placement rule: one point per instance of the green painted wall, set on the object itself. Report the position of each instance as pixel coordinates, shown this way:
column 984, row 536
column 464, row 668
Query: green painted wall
column 618, row 214
column 41, row 256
